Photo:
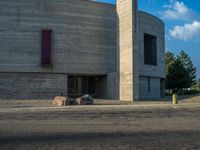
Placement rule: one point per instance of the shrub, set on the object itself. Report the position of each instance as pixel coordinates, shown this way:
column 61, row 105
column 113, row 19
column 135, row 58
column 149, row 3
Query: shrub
column 191, row 92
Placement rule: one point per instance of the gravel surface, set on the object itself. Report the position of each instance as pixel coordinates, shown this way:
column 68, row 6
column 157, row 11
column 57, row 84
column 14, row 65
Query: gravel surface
column 103, row 128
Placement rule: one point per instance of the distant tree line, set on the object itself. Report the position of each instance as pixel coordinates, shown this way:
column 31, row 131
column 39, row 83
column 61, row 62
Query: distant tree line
column 180, row 72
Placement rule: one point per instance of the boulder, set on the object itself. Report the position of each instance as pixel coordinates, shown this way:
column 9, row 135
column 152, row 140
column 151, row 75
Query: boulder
column 59, row 101
column 64, row 101
column 71, row 101
column 85, row 100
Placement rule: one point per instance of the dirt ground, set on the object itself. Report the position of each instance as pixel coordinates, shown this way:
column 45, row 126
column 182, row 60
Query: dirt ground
column 102, row 128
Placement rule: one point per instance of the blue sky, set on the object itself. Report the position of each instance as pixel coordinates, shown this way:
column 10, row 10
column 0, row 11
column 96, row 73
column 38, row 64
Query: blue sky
column 182, row 24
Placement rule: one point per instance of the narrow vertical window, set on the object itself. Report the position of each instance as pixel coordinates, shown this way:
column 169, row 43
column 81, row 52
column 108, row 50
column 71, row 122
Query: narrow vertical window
column 46, row 47
column 150, row 49
column 149, row 85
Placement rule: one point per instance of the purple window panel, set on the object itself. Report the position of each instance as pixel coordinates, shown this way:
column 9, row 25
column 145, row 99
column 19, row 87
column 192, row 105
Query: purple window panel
column 46, row 47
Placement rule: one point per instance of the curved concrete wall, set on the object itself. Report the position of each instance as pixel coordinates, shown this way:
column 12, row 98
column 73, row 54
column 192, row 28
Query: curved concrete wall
column 151, row 80
column 154, row 26
column 84, row 42
column 84, row 36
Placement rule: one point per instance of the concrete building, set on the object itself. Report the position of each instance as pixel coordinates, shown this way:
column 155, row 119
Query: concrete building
column 77, row 47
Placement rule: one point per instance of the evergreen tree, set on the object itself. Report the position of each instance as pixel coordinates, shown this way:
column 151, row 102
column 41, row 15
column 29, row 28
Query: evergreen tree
column 185, row 59
column 169, row 59
column 198, row 84
column 177, row 77
column 180, row 72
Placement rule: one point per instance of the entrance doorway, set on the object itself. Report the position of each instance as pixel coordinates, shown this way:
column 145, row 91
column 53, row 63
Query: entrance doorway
column 81, row 85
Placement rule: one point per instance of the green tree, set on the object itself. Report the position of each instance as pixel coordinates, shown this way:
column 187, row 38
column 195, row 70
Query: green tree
column 177, row 76
column 198, row 84
column 169, row 59
column 187, row 62
column 180, row 72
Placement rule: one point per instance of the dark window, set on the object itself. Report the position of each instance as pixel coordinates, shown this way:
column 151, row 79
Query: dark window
column 162, row 87
column 150, row 49
column 46, row 47
column 149, row 85
column 80, row 85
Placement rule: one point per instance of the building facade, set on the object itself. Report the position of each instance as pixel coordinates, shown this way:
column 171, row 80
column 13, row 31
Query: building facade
column 77, row 47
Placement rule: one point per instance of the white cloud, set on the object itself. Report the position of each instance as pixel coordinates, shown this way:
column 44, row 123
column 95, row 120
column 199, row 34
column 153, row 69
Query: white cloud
column 177, row 10
column 187, row 31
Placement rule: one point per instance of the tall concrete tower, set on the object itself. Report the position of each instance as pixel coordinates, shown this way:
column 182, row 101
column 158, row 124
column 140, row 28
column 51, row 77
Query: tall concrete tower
column 127, row 11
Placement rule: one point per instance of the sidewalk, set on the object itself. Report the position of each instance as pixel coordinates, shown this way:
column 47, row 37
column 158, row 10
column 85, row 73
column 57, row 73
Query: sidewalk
column 155, row 105
column 32, row 105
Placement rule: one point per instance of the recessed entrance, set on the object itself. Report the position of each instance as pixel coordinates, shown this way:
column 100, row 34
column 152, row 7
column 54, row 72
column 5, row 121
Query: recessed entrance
column 92, row 85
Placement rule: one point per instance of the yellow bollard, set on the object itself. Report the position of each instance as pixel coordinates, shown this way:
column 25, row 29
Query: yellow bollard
column 175, row 99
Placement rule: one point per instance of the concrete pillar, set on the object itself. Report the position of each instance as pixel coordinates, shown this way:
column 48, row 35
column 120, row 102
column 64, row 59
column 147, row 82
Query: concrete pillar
column 128, row 50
